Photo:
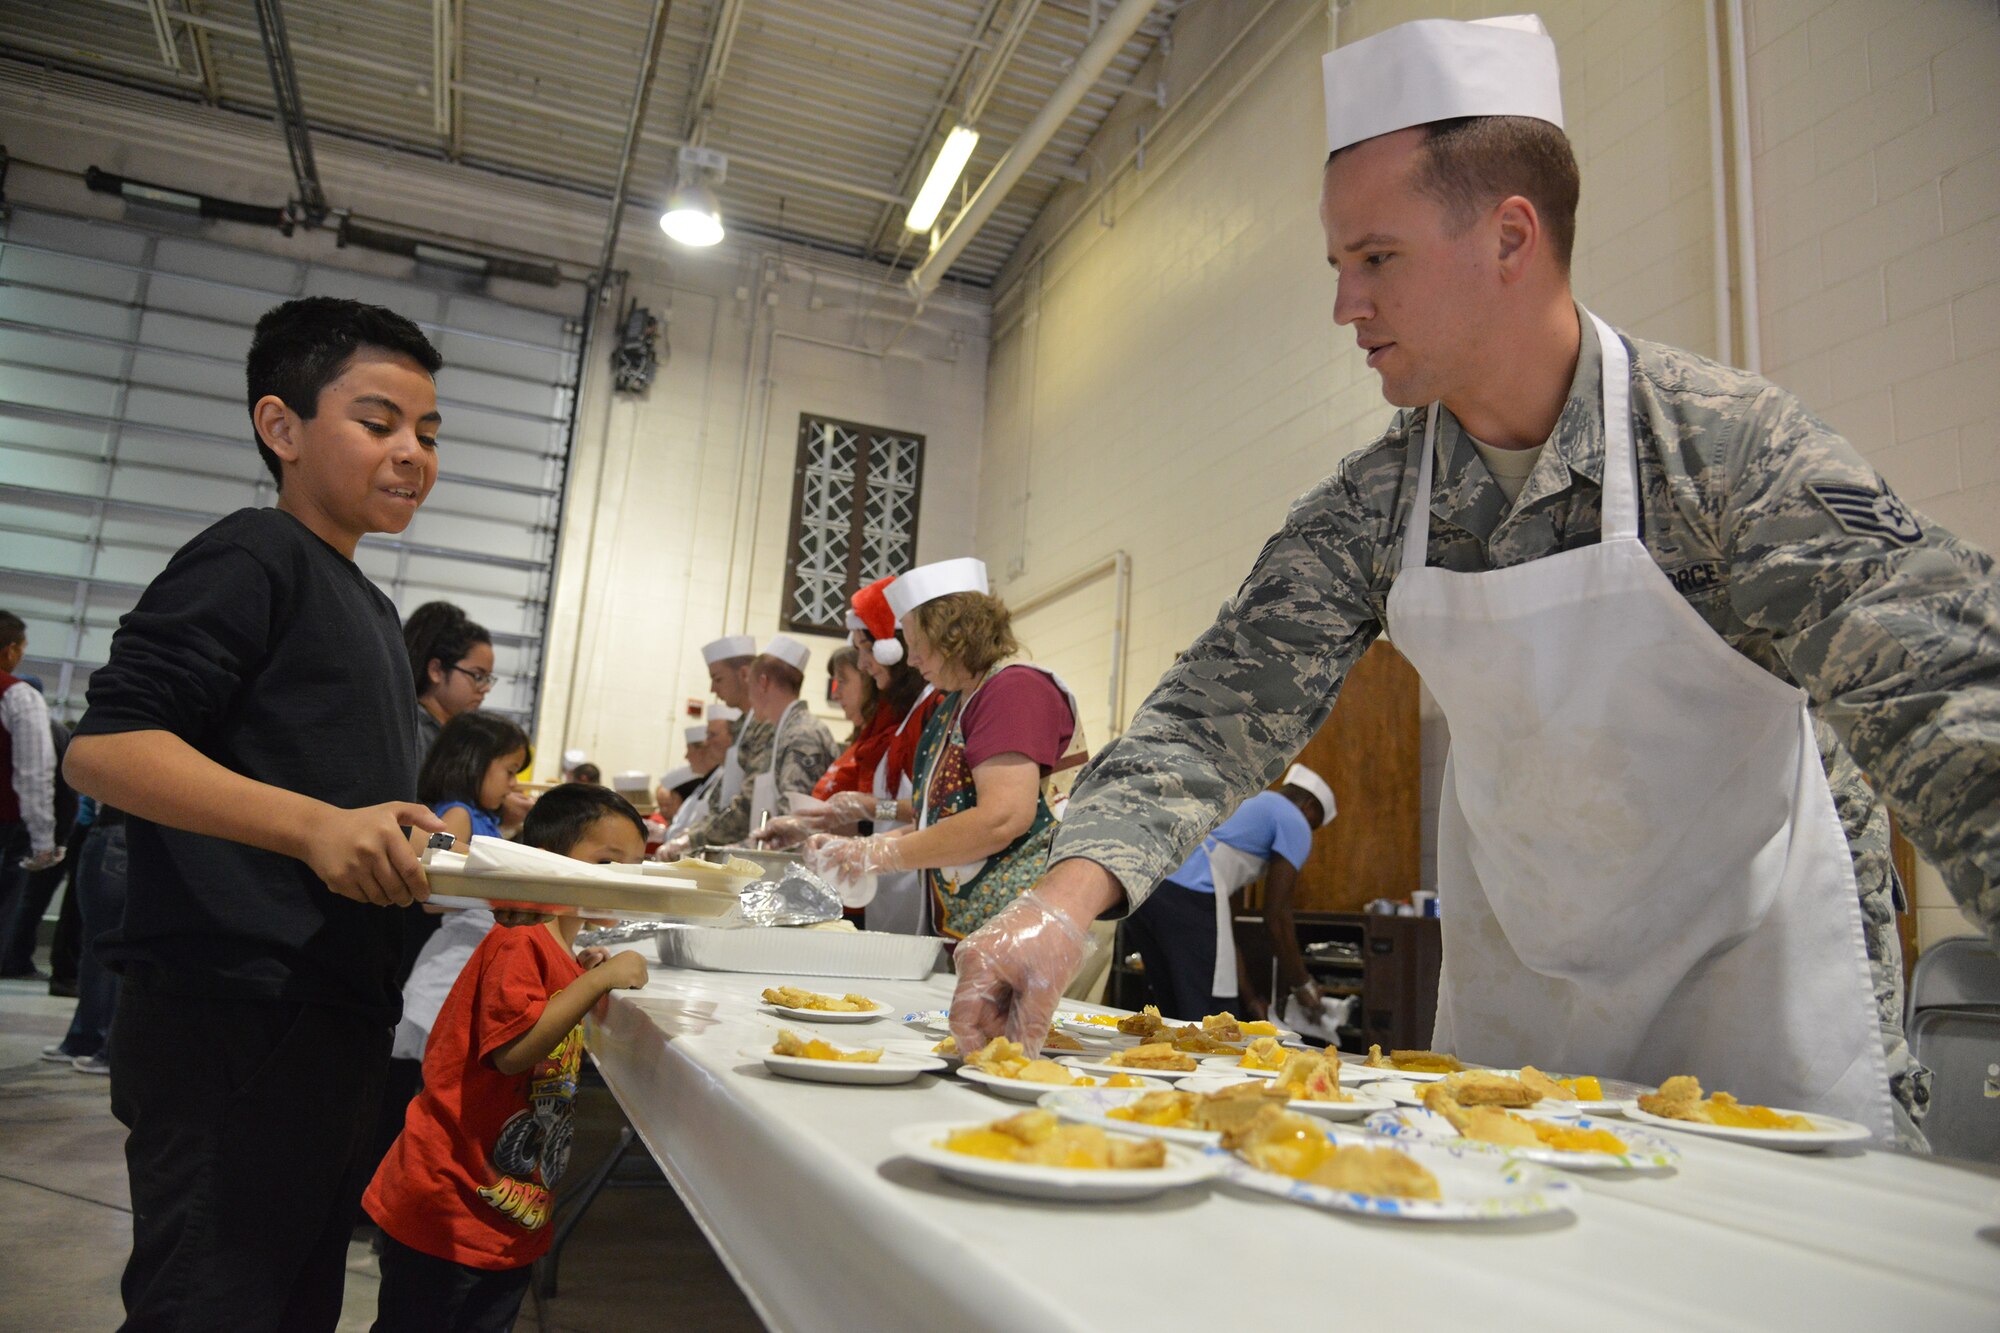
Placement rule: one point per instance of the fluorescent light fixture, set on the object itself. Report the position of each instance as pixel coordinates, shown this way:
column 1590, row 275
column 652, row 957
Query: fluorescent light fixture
column 950, row 164
column 693, row 217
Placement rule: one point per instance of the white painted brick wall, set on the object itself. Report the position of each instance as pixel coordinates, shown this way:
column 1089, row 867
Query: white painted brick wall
column 1876, row 150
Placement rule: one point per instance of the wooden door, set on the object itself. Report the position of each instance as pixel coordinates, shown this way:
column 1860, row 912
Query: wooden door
column 1370, row 752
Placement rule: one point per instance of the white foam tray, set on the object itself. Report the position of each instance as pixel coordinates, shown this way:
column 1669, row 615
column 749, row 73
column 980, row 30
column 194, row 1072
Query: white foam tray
column 875, row 955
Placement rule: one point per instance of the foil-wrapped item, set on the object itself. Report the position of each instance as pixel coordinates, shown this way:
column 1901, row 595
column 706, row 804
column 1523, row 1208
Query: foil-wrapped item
column 628, row 932
column 799, row 897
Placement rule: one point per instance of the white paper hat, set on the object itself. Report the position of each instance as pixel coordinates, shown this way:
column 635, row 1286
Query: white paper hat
column 696, row 735
column 674, row 777
column 789, row 651
column 1298, row 775
column 724, row 713
column 927, row 583
column 632, row 779
column 855, row 622
column 722, row 650
column 571, row 758
column 1440, row 69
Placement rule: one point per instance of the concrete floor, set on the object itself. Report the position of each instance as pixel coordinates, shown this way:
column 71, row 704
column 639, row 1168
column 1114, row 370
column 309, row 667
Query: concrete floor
column 636, row 1260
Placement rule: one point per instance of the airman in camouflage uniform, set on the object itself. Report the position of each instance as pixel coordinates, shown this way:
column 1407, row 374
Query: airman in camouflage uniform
column 729, row 823
column 1770, row 525
column 798, row 750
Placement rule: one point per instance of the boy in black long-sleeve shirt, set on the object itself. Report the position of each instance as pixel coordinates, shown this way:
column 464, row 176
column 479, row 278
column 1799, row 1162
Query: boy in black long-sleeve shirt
column 254, row 721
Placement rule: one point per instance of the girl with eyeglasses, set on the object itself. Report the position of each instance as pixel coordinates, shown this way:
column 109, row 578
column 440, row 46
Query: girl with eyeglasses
column 451, row 663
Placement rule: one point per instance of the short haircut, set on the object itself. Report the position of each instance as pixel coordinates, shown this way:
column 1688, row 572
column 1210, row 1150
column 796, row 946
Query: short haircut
column 439, row 632
column 466, row 746
column 302, row 346
column 588, row 774
column 1470, row 163
column 13, row 629
column 972, row 629
column 558, row 821
column 782, row 674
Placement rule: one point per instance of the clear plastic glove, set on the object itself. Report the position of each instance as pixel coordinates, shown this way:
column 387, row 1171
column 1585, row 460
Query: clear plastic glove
column 789, row 831
column 848, row 808
column 673, row 849
column 43, row 860
column 1011, row 972
column 850, row 865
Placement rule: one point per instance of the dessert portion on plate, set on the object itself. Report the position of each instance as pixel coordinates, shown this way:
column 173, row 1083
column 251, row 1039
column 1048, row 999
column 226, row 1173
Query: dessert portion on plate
column 1413, row 1062
column 1002, row 1058
column 799, row 1048
column 1295, row 1146
column 1142, row 1024
column 1488, row 1123
column 1264, row 1053
column 1215, row 1112
column 1310, row 1076
column 791, row 997
column 1679, row 1098
column 1039, row 1138
column 1153, row 1055
column 1584, row 1088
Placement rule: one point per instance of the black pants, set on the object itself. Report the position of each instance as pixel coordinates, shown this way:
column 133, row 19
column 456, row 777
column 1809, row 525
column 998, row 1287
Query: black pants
column 1174, row 932
column 421, row 1293
column 249, row 1122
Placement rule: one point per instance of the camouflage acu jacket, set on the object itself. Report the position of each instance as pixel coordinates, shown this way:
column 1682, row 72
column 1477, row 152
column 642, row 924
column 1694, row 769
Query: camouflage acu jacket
column 1769, row 523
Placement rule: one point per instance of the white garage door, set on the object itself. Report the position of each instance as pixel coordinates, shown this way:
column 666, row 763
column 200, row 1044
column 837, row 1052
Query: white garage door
column 123, row 432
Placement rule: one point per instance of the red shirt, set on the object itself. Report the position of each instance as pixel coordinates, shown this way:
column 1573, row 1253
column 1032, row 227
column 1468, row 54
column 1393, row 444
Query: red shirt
column 903, row 748
column 472, row 1176
column 1019, row 711
column 854, row 770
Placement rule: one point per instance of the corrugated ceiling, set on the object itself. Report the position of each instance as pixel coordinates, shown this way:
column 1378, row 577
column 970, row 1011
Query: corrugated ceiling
column 829, row 109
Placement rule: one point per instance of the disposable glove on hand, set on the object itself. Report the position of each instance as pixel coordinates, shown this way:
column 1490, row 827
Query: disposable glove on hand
column 1011, row 972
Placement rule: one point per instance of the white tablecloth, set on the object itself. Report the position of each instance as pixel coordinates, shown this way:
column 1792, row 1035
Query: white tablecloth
column 824, row 1227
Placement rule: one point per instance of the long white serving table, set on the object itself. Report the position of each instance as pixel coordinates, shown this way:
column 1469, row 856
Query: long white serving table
column 797, row 1186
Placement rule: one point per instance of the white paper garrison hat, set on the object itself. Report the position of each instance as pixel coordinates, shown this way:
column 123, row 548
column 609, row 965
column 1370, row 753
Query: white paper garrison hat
column 696, row 735
column 789, row 651
column 1298, row 775
column 724, row 713
column 674, row 777
column 1440, row 69
column 927, row 583
column 722, row 650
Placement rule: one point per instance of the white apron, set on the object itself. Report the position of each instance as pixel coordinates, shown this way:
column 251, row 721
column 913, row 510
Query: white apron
column 732, row 775
column 764, row 787
column 1229, row 868
column 695, row 807
column 1640, row 871
column 900, row 905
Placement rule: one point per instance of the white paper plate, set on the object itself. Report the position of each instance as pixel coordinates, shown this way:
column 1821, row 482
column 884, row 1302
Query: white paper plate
column 1404, row 1093
column 930, row 1020
column 1831, row 1130
column 1367, row 1072
column 1092, row 1065
column 894, row 1067
column 1232, row 1064
column 1646, row 1151
column 1477, row 1187
column 1620, row 1092
column 1018, row 1090
column 1088, row 1106
column 1184, row 1166
column 1365, row 1101
column 831, row 1015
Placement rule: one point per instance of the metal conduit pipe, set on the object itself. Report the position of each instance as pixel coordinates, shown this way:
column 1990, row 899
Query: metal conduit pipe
column 1746, row 208
column 1090, row 63
column 642, row 90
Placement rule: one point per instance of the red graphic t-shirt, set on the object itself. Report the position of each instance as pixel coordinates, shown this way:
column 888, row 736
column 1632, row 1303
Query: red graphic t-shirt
column 471, row 1178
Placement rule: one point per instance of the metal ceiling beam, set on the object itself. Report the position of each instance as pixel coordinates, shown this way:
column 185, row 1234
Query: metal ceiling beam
column 291, row 110
column 714, row 61
column 642, row 90
column 1090, row 63
column 906, row 179
column 446, row 17
column 163, row 33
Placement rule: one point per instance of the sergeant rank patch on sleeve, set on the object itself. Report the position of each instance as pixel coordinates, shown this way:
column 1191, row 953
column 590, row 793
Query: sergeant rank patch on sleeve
column 1863, row 512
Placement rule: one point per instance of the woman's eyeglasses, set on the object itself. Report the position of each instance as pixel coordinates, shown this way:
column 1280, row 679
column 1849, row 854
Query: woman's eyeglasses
column 481, row 680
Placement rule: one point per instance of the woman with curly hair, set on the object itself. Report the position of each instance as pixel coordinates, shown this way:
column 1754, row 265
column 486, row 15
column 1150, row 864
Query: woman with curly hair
column 992, row 765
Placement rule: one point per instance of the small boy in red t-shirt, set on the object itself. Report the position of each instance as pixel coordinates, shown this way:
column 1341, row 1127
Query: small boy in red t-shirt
column 465, row 1195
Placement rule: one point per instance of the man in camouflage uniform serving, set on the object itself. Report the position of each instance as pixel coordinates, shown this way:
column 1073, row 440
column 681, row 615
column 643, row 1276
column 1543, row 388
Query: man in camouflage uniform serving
column 1677, row 626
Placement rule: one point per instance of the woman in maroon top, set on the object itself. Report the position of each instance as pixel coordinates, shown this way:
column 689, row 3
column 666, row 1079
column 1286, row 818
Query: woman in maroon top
column 991, row 766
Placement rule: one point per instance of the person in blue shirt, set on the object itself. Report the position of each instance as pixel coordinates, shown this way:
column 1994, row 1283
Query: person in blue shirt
column 1184, row 931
